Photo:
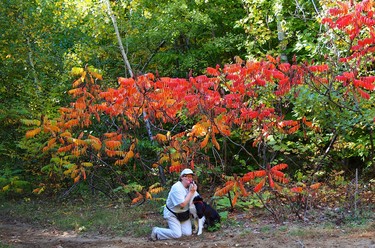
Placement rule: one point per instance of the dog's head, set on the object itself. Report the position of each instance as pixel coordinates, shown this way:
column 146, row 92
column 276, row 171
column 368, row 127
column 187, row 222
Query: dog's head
column 199, row 205
column 198, row 198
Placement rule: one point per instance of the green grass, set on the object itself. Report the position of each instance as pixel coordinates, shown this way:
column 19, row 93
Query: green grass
column 87, row 215
column 4, row 245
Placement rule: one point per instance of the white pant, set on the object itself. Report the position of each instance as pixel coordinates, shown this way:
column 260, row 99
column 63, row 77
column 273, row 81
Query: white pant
column 176, row 229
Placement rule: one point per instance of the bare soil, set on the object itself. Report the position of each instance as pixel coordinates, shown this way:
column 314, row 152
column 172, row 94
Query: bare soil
column 20, row 234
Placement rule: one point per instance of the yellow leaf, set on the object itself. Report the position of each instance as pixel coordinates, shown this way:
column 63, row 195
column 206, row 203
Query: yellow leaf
column 156, row 190
column 6, row 187
column 76, row 71
column 97, row 75
column 66, row 134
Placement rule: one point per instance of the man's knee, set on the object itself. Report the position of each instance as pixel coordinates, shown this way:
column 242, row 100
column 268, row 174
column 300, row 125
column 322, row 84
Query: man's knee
column 176, row 234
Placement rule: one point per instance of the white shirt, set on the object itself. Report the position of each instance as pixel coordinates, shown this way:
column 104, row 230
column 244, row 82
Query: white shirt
column 176, row 196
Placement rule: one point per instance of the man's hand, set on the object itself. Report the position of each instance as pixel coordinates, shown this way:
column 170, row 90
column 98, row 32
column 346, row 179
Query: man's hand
column 193, row 187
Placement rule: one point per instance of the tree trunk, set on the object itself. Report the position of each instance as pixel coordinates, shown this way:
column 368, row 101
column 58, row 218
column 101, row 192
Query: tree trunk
column 123, row 53
column 126, row 61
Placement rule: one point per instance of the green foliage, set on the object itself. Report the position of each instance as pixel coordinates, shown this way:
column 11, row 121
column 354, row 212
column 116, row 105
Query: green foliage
column 281, row 27
column 180, row 36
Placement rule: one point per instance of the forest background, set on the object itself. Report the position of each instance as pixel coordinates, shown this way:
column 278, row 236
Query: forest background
column 270, row 102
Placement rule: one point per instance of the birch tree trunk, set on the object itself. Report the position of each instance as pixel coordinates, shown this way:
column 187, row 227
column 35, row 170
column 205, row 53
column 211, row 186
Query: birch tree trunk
column 31, row 61
column 122, row 50
column 126, row 61
column 280, row 31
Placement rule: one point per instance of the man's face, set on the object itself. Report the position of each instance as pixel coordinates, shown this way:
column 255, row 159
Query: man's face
column 188, row 179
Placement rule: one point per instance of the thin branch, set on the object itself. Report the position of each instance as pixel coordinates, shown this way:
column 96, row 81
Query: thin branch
column 152, row 55
column 301, row 9
column 247, row 152
column 315, row 8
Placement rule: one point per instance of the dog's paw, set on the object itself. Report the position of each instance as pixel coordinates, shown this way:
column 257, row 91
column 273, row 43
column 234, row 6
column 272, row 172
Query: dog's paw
column 201, row 225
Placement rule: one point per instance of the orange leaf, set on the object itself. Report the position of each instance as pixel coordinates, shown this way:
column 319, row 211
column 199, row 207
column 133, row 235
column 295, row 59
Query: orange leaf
column 138, row 198
column 175, row 168
column 315, row 185
column 260, row 185
column 293, row 129
column 76, row 179
column 125, row 160
column 33, row 133
column 205, row 141
column 65, row 148
column 248, row 177
column 71, row 123
column 214, row 141
column 271, row 59
column 225, row 190
column 112, row 144
column 243, row 190
column 110, row 135
column 148, row 195
column 161, row 138
column 83, row 173
column 297, row 189
column 51, row 143
column 278, row 187
column 234, row 200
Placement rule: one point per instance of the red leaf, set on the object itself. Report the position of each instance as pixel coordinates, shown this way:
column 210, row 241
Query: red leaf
column 272, row 184
column 363, row 94
column 213, row 71
column 279, row 167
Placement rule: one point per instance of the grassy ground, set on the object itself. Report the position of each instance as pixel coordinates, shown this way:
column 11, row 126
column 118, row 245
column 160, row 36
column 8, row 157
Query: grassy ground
column 85, row 215
column 98, row 216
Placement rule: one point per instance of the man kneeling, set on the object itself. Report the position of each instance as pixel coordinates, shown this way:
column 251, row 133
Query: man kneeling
column 176, row 210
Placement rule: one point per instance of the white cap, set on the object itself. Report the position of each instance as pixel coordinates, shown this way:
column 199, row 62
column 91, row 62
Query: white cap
column 186, row 172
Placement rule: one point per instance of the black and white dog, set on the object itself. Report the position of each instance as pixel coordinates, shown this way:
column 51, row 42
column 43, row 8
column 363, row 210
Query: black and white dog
column 203, row 214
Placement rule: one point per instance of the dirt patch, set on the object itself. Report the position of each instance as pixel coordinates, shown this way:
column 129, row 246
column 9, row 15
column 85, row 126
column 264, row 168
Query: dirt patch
column 19, row 234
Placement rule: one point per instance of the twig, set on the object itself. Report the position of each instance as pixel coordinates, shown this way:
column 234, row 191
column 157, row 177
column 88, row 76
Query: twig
column 300, row 242
column 267, row 208
column 67, row 192
column 152, row 55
